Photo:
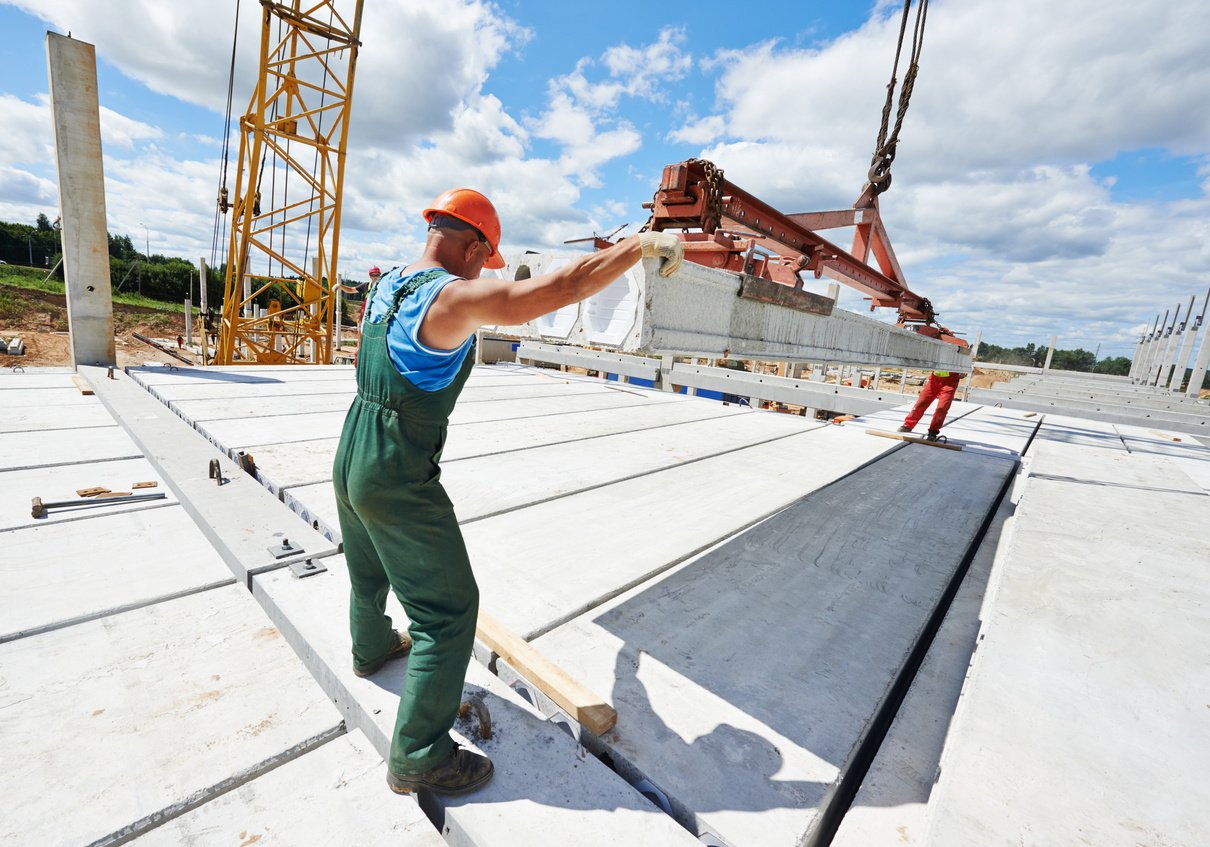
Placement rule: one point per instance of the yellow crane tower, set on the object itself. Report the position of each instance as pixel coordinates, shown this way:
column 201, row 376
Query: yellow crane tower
column 279, row 297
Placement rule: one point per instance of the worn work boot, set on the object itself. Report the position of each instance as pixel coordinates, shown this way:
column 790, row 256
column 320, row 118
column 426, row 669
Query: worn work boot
column 401, row 643
column 460, row 772
column 904, row 428
column 933, row 435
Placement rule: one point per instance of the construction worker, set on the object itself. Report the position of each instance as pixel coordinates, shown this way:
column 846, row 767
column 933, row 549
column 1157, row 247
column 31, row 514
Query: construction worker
column 940, row 386
column 398, row 526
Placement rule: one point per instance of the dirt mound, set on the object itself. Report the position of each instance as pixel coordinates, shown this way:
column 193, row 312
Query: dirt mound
column 39, row 318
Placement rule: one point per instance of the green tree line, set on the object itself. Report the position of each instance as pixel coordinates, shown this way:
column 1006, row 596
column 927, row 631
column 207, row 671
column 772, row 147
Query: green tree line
column 167, row 278
column 1034, row 355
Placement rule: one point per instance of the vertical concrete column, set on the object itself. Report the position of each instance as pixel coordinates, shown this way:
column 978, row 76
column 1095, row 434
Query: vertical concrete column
column 1190, row 329
column 1200, row 365
column 966, row 392
column 188, row 322
column 1170, row 345
column 1178, row 341
column 666, row 362
column 1152, row 347
column 1050, row 352
column 338, row 328
column 1138, row 354
column 1161, row 356
column 202, row 280
column 902, row 380
column 72, row 67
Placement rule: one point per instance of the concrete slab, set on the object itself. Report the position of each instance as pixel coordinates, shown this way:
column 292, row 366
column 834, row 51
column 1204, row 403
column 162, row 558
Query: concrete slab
column 1187, row 453
column 18, row 488
column 468, row 439
column 238, row 433
column 36, row 378
column 1083, row 718
column 331, row 795
column 63, row 573
column 14, row 397
column 533, row 577
column 111, row 726
column 240, row 518
column 891, row 806
column 43, row 418
column 1107, row 412
column 1062, row 429
column 834, row 592
column 22, row 450
column 997, row 432
column 546, row 790
column 260, row 407
column 490, row 485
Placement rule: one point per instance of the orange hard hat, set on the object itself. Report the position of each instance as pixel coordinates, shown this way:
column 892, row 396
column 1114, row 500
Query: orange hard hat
column 469, row 206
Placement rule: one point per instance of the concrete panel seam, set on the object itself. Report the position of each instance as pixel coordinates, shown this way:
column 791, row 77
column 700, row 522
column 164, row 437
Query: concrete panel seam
column 146, row 824
column 96, row 514
column 639, row 475
column 115, row 610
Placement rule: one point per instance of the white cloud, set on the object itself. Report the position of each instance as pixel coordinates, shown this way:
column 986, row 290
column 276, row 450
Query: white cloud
column 993, row 209
column 700, row 130
column 28, row 134
column 117, row 130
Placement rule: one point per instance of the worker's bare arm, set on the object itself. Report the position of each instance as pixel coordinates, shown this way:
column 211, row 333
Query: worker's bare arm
column 465, row 305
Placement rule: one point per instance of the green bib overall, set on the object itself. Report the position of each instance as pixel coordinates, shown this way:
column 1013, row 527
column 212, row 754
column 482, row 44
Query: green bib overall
column 400, row 532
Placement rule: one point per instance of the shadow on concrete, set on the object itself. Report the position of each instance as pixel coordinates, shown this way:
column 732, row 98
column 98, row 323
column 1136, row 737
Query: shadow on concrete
column 804, row 627
column 204, row 375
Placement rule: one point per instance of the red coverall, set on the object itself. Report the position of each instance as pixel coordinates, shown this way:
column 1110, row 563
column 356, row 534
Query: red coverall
column 940, row 388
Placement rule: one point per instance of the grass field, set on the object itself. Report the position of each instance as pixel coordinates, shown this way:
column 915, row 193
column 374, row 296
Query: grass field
column 34, row 279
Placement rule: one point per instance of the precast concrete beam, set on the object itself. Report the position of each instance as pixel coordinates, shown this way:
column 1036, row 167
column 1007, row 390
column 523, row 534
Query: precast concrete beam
column 1110, row 413
column 72, row 68
column 799, row 392
column 698, row 311
column 240, row 518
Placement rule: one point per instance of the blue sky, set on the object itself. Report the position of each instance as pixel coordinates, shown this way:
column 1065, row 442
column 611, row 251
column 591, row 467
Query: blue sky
column 1052, row 176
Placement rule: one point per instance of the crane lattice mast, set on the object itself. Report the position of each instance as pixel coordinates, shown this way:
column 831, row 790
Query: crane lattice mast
column 279, row 298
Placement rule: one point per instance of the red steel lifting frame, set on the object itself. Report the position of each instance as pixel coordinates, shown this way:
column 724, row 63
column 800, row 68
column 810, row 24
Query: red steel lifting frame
column 693, row 194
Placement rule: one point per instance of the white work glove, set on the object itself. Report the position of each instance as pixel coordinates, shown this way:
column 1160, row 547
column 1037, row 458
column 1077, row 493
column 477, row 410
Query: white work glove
column 663, row 245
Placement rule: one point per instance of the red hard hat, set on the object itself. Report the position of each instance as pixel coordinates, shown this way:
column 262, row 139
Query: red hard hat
column 469, row 206
column 374, row 270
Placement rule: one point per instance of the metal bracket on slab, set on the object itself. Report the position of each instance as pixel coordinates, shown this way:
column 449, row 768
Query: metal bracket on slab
column 306, row 568
column 281, row 551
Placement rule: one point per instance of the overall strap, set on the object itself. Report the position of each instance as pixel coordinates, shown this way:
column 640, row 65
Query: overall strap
column 410, row 287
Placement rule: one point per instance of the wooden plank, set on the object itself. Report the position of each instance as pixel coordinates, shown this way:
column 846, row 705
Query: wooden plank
column 83, row 386
column 590, row 710
column 915, row 439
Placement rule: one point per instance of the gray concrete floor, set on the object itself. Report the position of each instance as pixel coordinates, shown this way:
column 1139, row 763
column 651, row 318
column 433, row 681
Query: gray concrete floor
column 752, row 591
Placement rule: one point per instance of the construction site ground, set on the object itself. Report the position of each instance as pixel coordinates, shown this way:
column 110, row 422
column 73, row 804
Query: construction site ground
column 810, row 635
column 39, row 318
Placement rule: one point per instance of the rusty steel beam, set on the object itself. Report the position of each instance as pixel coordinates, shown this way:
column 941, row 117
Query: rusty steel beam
column 693, row 194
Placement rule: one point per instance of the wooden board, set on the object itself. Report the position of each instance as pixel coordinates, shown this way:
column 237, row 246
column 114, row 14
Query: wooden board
column 587, row 708
column 915, row 439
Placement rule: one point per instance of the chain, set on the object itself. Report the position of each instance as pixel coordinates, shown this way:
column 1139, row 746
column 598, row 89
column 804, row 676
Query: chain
column 885, row 148
column 714, row 193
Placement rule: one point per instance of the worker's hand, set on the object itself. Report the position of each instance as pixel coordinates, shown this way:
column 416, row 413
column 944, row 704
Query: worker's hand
column 663, row 245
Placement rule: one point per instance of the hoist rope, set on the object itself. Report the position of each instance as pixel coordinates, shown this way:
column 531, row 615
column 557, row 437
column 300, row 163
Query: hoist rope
column 222, row 182
column 884, row 149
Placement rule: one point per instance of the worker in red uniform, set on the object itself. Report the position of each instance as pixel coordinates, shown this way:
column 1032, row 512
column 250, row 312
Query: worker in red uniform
column 398, row 526
column 940, row 386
